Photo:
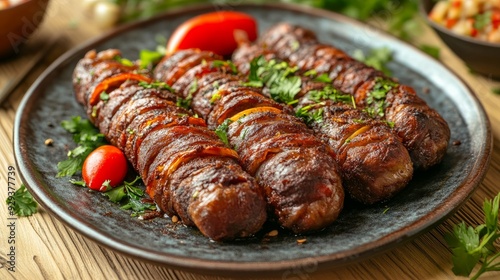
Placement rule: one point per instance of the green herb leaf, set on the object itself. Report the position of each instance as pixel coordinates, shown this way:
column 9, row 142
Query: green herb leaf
column 130, row 197
column 116, row 194
column 221, row 131
column 157, row 85
column 330, row 93
column 123, row 61
column 87, row 137
column 376, row 97
column 225, row 63
column 186, row 102
column 22, row 202
column 80, row 183
column 278, row 77
column 323, row 78
column 311, row 114
column 149, row 58
column 472, row 246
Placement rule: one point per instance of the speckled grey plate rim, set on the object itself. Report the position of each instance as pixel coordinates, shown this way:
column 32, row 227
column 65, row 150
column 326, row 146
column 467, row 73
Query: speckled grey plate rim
column 35, row 184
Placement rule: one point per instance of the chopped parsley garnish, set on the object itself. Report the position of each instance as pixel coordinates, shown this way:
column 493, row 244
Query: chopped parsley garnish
column 472, row 246
column 186, row 102
column 87, row 138
column 323, row 78
column 310, row 114
column 277, row 77
column 123, row 61
column 149, row 58
column 224, row 63
column 221, row 131
column 376, row 97
column 158, row 85
column 330, row 93
column 22, row 202
column 313, row 74
column 183, row 102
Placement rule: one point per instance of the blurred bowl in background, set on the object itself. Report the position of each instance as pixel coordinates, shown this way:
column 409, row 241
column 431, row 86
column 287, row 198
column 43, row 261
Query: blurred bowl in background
column 17, row 23
column 481, row 56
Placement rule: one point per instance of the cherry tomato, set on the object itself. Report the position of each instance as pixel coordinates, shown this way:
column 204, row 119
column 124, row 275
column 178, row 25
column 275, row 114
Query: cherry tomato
column 213, row 32
column 104, row 163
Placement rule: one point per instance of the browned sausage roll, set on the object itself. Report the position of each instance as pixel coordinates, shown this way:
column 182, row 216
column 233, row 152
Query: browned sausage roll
column 186, row 168
column 373, row 162
column 423, row 131
column 296, row 170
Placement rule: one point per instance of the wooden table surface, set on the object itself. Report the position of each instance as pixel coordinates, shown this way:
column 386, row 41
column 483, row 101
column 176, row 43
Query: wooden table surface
column 47, row 249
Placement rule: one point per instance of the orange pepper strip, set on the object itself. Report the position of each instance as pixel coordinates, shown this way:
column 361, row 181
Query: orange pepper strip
column 358, row 132
column 254, row 110
column 114, row 81
column 210, row 151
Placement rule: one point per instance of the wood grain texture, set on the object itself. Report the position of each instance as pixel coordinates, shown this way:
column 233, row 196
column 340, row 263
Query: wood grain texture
column 47, row 249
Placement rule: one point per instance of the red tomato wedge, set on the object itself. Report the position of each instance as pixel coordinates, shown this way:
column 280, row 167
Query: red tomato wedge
column 214, row 32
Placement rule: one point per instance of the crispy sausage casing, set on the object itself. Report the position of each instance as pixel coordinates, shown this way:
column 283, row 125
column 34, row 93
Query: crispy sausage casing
column 373, row 162
column 423, row 131
column 295, row 169
column 187, row 170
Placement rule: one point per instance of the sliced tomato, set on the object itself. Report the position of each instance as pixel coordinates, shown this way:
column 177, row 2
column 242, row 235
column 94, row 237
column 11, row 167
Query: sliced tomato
column 216, row 32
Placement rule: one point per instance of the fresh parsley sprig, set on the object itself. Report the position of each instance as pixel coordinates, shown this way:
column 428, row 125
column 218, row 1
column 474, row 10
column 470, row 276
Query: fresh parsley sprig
column 278, row 77
column 129, row 195
column 87, row 138
column 22, row 202
column 221, row 131
column 472, row 246
column 149, row 58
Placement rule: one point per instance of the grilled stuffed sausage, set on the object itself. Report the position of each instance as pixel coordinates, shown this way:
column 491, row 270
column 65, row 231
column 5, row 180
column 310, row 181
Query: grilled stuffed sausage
column 423, row 131
column 295, row 169
column 187, row 170
column 373, row 162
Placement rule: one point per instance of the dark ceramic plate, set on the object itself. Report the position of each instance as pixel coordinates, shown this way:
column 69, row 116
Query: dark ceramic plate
column 359, row 233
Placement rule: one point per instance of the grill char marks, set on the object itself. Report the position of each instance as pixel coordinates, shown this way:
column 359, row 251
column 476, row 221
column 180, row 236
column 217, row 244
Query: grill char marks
column 373, row 162
column 294, row 168
column 187, row 170
column 423, row 131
